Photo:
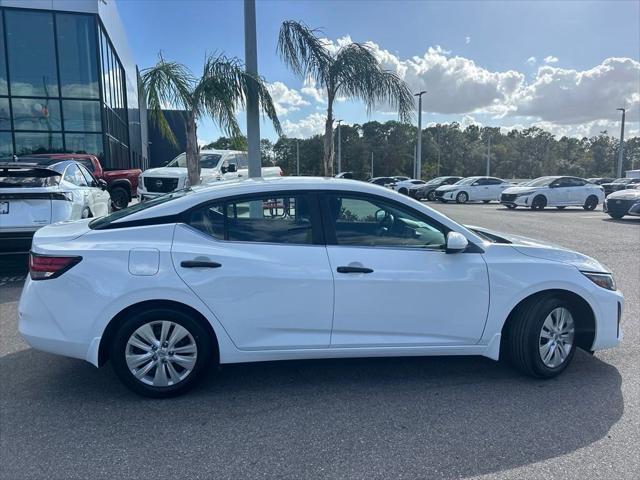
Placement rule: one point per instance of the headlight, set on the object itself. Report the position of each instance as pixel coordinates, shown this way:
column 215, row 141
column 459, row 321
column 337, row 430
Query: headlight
column 604, row 280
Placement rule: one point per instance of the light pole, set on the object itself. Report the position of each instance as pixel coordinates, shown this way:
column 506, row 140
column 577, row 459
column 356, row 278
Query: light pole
column 438, row 135
column 339, row 122
column 253, row 114
column 489, row 156
column 419, row 147
column 297, row 157
column 621, row 151
column 371, row 164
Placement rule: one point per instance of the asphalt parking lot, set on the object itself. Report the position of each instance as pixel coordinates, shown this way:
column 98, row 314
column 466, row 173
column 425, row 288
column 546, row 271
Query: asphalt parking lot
column 372, row 418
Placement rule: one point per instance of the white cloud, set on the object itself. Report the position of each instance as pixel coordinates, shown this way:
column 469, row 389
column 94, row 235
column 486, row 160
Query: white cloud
column 310, row 125
column 285, row 99
column 550, row 59
column 309, row 88
column 467, row 40
column 532, row 60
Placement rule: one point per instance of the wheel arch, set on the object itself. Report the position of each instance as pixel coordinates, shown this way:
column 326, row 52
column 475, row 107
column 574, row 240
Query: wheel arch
column 116, row 321
column 121, row 183
column 585, row 318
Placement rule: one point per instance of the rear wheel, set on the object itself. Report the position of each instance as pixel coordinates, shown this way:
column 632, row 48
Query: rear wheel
column 541, row 337
column 462, row 197
column 119, row 198
column 431, row 196
column 591, row 203
column 161, row 352
column 539, row 203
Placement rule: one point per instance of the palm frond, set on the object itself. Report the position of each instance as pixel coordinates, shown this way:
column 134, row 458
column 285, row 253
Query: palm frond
column 356, row 73
column 301, row 49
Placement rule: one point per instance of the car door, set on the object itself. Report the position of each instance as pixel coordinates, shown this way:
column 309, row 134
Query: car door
column 577, row 191
column 98, row 199
column 559, row 192
column 76, row 184
column 260, row 265
column 479, row 190
column 495, row 186
column 394, row 283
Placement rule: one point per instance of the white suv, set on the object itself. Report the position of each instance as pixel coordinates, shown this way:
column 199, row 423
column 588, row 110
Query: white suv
column 215, row 165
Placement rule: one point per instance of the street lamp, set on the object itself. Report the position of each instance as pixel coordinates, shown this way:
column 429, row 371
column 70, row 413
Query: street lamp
column 419, row 147
column 252, row 108
column 339, row 122
column 489, row 156
column 621, row 151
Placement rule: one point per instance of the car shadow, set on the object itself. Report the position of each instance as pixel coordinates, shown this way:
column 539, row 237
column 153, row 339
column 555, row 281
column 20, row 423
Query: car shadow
column 435, row 417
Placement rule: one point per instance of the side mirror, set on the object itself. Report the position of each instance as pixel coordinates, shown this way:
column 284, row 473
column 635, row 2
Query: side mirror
column 232, row 168
column 102, row 184
column 456, row 242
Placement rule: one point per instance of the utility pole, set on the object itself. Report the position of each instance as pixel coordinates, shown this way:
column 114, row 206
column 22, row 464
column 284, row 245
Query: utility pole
column 438, row 136
column 415, row 160
column 297, row 157
column 253, row 114
column 621, row 150
column 489, row 157
column 339, row 146
column 371, row 164
column 419, row 147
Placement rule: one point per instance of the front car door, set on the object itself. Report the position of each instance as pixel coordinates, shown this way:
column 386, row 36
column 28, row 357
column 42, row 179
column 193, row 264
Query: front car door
column 98, row 198
column 560, row 192
column 75, row 182
column 394, row 283
column 260, row 264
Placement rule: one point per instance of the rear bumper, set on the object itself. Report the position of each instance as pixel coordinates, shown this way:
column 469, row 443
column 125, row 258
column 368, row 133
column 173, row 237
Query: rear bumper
column 16, row 242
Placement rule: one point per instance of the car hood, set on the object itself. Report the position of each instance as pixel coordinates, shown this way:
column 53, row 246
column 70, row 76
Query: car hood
column 629, row 194
column 518, row 190
column 544, row 250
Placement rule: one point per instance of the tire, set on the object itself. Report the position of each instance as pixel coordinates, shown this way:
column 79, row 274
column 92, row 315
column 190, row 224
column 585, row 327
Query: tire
column 431, row 196
column 590, row 203
column 526, row 340
column 511, row 207
column 561, row 208
column 462, row 197
column 191, row 365
column 539, row 203
column 119, row 198
column 616, row 216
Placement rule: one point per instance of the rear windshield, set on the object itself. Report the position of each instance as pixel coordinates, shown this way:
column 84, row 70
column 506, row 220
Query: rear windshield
column 104, row 222
column 28, row 178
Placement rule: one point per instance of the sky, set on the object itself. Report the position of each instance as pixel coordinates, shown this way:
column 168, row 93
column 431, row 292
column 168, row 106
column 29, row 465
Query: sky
column 564, row 66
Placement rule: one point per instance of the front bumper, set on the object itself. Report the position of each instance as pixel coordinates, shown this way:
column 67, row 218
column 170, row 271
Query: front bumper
column 621, row 207
column 518, row 201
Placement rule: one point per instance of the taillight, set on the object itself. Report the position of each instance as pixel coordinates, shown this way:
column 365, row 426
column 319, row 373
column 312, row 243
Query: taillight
column 45, row 267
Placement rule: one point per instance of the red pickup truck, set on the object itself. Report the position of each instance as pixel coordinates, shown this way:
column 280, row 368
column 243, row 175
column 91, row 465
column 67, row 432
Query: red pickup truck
column 122, row 185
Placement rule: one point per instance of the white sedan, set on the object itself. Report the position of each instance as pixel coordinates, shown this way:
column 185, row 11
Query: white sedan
column 559, row 192
column 403, row 186
column 299, row 268
column 472, row 189
column 37, row 192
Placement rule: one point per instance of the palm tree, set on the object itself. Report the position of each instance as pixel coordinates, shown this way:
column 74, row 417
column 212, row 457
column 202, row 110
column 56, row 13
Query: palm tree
column 353, row 71
column 220, row 90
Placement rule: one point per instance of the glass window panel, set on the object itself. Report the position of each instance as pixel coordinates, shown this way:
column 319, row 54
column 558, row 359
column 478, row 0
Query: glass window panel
column 3, row 62
column 6, row 149
column 77, row 56
column 28, row 143
column 36, row 114
column 81, row 115
column 90, row 143
column 5, row 114
column 31, row 52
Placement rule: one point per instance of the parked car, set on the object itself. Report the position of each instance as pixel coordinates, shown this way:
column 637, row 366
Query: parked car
column 600, row 180
column 168, row 288
column 472, row 189
column 215, row 165
column 620, row 184
column 403, row 186
column 382, row 181
column 559, row 192
column 623, row 202
column 35, row 194
column 122, row 184
column 428, row 190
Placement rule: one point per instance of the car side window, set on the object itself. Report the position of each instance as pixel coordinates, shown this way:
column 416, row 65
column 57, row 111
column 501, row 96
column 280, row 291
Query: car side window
column 242, row 160
column 371, row 221
column 561, row 182
column 74, row 175
column 91, row 181
column 575, row 182
column 493, row 181
column 276, row 218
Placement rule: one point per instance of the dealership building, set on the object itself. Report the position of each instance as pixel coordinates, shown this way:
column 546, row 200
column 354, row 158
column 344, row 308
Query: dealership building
column 68, row 83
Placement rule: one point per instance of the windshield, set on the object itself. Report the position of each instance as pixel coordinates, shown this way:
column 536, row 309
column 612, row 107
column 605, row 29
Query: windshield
column 436, row 180
column 207, row 160
column 105, row 221
column 539, row 182
column 466, row 181
column 622, row 180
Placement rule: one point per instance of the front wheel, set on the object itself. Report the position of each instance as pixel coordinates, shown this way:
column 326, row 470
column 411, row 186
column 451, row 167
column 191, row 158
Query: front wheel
column 591, row 203
column 403, row 191
column 431, row 196
column 462, row 197
column 511, row 207
column 541, row 337
column 539, row 203
column 161, row 352
column 562, row 207
column 119, row 198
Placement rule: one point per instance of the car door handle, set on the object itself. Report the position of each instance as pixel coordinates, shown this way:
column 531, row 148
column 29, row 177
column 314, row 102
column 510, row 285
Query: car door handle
column 199, row 264
column 350, row 269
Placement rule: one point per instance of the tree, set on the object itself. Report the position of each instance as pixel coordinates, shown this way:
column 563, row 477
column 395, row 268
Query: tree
column 221, row 89
column 353, row 71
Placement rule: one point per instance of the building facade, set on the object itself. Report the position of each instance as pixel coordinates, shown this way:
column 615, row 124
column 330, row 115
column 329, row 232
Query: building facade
column 68, row 84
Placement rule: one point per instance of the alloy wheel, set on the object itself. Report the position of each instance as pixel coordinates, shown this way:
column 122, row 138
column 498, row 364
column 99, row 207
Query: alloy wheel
column 161, row 353
column 556, row 337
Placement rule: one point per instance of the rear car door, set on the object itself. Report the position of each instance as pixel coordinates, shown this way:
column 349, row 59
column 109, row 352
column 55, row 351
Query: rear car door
column 99, row 199
column 74, row 182
column 259, row 263
column 394, row 283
